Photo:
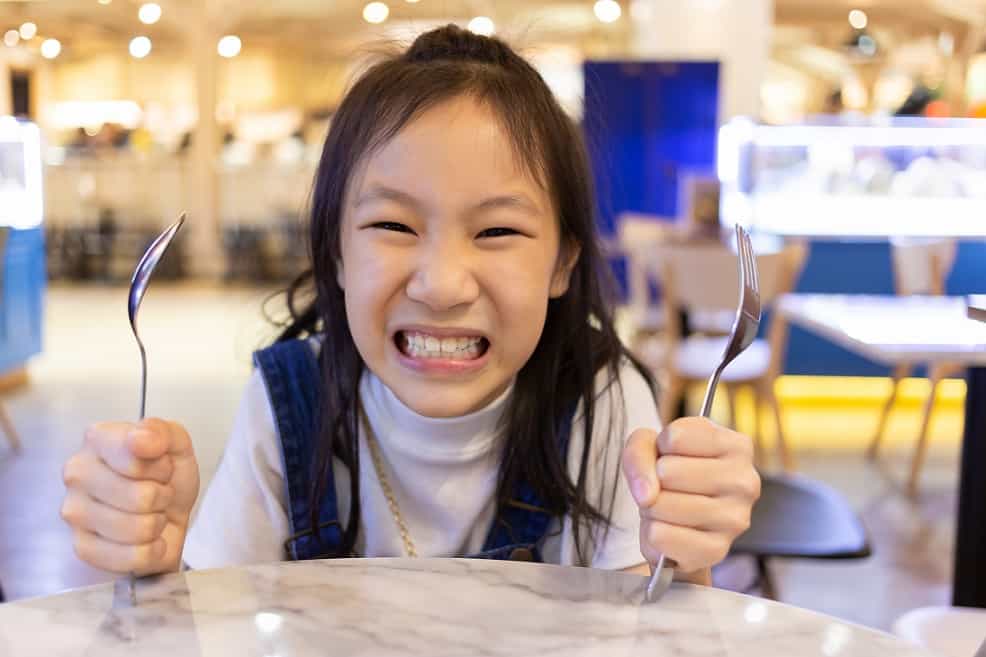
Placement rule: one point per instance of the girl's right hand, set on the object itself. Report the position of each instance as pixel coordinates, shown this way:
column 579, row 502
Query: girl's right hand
column 130, row 492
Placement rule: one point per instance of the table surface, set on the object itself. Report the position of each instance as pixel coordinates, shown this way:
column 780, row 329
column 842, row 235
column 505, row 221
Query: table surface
column 427, row 607
column 892, row 329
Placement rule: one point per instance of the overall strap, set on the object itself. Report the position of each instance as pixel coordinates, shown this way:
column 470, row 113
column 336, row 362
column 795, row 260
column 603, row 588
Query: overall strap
column 291, row 373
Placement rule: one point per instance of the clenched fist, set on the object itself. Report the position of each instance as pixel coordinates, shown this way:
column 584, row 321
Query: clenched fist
column 695, row 485
column 130, row 493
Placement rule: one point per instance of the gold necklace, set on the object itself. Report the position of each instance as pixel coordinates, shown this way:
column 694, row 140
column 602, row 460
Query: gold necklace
column 371, row 441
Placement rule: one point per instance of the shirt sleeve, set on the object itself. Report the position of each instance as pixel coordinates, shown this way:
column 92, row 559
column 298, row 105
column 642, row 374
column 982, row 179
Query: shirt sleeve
column 621, row 409
column 243, row 518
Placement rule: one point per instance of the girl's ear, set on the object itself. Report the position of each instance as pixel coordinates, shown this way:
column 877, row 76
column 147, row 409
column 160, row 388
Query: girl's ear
column 339, row 274
column 568, row 256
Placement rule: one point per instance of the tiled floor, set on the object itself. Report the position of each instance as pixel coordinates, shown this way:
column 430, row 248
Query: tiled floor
column 199, row 341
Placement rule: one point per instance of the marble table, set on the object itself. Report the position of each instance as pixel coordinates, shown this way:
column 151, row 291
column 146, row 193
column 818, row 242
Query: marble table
column 429, row 607
column 892, row 330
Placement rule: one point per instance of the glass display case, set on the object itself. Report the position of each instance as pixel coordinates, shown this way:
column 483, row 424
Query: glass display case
column 20, row 174
column 22, row 254
column 868, row 178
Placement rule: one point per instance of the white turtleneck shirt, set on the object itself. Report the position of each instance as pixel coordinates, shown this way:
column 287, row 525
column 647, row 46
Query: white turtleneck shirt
column 443, row 474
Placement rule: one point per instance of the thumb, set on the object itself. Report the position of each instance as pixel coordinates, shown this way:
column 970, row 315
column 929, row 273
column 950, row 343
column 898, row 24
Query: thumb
column 640, row 466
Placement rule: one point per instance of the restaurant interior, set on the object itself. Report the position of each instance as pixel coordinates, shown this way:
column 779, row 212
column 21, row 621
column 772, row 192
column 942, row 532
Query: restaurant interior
column 847, row 137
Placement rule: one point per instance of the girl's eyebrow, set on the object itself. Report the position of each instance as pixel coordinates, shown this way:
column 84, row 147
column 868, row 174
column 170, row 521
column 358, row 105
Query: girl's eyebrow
column 384, row 193
column 518, row 201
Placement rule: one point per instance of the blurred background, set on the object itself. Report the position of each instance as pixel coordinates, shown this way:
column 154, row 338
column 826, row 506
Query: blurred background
column 848, row 128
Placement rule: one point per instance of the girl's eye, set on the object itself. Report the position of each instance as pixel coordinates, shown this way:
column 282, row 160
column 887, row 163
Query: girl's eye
column 392, row 225
column 498, row 232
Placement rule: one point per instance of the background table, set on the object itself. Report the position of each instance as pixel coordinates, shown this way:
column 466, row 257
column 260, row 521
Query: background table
column 892, row 330
column 427, row 607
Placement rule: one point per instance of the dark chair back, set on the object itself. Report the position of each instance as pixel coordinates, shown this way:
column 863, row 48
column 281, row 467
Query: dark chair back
column 798, row 517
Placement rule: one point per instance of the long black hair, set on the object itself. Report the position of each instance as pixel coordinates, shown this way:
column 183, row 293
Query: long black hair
column 579, row 340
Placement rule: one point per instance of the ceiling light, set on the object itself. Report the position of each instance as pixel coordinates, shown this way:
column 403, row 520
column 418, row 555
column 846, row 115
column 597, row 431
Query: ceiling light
column 375, row 12
column 149, row 13
column 105, row 2
column 11, row 38
column 482, row 25
column 140, row 47
column 858, row 19
column 28, row 31
column 50, row 48
column 607, row 11
column 229, row 46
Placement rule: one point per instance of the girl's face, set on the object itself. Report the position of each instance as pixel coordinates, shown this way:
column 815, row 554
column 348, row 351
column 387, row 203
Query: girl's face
column 450, row 252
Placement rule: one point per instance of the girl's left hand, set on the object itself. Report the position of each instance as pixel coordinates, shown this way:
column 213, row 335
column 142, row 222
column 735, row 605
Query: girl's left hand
column 695, row 485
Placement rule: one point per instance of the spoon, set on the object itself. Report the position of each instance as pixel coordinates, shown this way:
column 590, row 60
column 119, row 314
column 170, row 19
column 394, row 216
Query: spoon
column 138, row 286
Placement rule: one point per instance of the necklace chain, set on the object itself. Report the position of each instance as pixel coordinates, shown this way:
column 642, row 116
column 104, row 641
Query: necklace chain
column 371, row 441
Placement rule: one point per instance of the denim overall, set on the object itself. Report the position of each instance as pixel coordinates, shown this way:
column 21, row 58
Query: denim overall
column 291, row 373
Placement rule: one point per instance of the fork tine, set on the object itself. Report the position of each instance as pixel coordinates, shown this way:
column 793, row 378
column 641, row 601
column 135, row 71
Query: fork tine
column 748, row 258
column 744, row 262
column 753, row 265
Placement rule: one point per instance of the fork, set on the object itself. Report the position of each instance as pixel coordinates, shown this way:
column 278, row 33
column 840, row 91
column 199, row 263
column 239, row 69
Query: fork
column 744, row 331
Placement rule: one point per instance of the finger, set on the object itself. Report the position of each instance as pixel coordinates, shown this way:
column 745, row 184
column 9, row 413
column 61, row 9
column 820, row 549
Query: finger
column 83, row 512
column 715, row 477
column 690, row 548
column 86, row 472
column 699, row 512
column 639, row 466
column 131, row 451
column 698, row 436
column 114, row 557
column 181, row 443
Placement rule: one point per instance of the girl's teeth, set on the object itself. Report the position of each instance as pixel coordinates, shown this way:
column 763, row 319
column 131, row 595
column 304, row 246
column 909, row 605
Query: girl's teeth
column 419, row 345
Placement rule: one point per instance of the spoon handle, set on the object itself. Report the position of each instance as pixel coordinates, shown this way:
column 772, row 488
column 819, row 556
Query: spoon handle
column 131, row 576
column 143, row 379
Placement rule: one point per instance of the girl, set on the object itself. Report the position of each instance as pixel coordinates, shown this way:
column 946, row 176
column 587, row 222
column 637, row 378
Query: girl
column 452, row 384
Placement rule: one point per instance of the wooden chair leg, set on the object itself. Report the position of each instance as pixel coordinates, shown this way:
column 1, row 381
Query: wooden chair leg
column 787, row 459
column 900, row 372
column 8, row 428
column 671, row 398
column 921, row 448
column 768, row 589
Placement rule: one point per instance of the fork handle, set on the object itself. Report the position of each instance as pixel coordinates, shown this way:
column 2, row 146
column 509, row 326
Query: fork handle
column 710, row 392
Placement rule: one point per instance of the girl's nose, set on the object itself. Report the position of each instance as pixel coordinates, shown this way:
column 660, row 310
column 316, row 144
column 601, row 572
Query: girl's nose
column 442, row 279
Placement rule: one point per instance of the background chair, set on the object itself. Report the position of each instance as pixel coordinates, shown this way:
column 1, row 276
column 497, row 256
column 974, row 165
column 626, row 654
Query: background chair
column 797, row 517
column 945, row 631
column 639, row 238
column 6, row 426
column 920, row 267
column 704, row 278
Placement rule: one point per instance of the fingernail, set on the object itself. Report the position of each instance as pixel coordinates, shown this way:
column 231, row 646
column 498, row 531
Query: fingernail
column 641, row 488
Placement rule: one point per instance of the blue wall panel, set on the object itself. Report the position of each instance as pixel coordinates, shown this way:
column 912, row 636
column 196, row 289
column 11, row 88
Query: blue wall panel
column 21, row 304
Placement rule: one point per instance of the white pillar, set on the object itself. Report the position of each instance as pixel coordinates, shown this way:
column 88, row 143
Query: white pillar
column 736, row 33
column 205, row 254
